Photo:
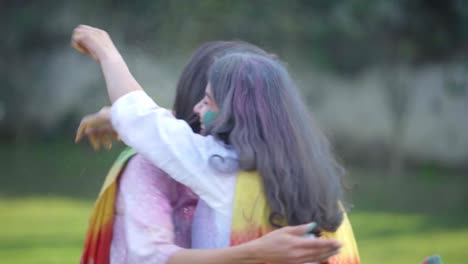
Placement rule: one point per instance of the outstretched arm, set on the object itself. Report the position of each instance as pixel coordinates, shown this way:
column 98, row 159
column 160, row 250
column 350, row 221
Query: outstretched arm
column 97, row 43
column 146, row 127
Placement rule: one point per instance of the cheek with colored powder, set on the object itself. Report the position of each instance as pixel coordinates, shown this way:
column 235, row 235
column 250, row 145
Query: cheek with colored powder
column 208, row 118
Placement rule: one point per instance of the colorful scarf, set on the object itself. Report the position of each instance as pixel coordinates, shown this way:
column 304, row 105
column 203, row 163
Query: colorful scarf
column 251, row 217
column 99, row 235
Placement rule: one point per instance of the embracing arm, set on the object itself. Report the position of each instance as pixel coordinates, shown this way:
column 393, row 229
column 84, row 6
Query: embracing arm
column 144, row 214
column 285, row 245
column 233, row 255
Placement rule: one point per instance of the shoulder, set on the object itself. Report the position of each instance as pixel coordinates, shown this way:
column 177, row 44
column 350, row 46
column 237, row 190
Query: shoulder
column 141, row 164
column 142, row 172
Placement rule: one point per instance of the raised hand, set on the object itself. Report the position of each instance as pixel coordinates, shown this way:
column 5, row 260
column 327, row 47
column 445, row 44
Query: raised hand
column 94, row 42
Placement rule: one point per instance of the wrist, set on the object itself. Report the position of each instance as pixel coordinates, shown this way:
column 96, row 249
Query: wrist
column 112, row 62
column 110, row 57
column 252, row 251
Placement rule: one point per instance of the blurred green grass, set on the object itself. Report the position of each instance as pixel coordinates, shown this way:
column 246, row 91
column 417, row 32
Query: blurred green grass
column 51, row 230
column 47, row 191
column 42, row 230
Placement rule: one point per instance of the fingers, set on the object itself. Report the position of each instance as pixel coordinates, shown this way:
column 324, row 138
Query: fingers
column 81, row 130
column 86, row 125
column 321, row 244
column 318, row 256
column 317, row 249
column 75, row 44
column 93, row 139
column 79, row 36
column 308, row 256
column 89, row 122
column 85, row 28
column 321, row 252
column 106, row 141
column 115, row 135
column 82, row 26
column 97, row 137
column 301, row 230
column 325, row 256
column 98, row 129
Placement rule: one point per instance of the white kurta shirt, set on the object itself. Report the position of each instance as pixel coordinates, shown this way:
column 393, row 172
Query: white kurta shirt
column 202, row 163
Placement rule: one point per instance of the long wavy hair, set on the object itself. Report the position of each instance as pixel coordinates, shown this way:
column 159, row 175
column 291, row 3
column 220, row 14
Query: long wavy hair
column 263, row 117
column 193, row 80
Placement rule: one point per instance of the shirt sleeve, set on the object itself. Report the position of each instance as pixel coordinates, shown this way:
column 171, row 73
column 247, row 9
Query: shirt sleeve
column 171, row 145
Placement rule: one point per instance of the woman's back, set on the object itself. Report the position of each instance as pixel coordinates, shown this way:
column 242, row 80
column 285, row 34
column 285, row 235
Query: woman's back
column 262, row 115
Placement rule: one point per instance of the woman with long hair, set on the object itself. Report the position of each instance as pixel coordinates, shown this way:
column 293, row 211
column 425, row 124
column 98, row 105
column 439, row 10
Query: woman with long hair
column 255, row 121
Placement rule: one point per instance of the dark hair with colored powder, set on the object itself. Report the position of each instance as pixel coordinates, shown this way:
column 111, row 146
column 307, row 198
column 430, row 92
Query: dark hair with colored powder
column 264, row 118
column 193, row 80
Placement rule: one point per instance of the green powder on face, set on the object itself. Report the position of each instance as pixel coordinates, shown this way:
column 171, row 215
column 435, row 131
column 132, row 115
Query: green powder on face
column 208, row 117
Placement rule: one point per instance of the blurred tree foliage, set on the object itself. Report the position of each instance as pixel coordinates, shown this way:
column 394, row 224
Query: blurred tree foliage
column 342, row 36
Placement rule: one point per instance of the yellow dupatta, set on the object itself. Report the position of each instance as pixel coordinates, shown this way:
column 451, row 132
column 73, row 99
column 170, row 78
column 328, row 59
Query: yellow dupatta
column 251, row 215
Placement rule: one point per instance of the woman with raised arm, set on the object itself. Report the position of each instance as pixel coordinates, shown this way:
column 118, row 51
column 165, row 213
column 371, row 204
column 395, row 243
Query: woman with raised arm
column 113, row 67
